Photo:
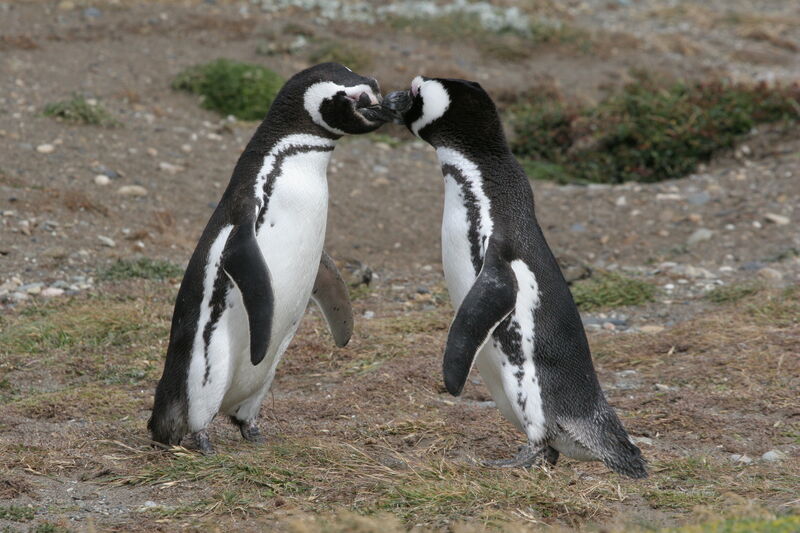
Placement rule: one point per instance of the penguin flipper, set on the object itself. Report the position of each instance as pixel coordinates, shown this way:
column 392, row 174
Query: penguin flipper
column 330, row 294
column 244, row 263
column 604, row 436
column 490, row 300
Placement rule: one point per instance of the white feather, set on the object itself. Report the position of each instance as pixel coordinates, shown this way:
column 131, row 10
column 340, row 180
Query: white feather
column 204, row 398
column 435, row 102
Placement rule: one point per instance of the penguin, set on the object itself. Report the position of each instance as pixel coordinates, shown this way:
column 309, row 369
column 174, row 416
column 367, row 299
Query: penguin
column 515, row 317
column 260, row 259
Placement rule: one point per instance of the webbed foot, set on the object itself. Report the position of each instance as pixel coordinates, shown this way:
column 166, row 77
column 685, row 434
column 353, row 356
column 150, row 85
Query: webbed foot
column 250, row 431
column 202, row 442
column 527, row 456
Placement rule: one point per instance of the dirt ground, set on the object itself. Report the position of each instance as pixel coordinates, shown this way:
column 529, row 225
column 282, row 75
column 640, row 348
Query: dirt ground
column 708, row 388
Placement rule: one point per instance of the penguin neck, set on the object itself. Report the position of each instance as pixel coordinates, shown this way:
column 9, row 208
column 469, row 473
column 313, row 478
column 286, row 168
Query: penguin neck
column 286, row 117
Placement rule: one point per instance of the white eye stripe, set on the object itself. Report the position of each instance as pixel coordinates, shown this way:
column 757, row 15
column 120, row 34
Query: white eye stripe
column 435, row 102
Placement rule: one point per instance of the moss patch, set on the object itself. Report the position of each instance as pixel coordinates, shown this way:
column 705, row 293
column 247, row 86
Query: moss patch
column 733, row 293
column 143, row 268
column 80, row 111
column 243, row 90
column 609, row 289
column 646, row 132
column 348, row 54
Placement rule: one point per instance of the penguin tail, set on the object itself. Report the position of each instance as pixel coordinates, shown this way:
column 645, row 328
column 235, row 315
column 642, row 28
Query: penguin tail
column 605, row 437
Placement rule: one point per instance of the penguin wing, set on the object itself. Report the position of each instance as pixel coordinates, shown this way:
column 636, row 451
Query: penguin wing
column 490, row 300
column 244, row 263
column 330, row 294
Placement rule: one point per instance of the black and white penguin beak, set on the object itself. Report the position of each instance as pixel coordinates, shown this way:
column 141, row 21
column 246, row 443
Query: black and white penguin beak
column 397, row 103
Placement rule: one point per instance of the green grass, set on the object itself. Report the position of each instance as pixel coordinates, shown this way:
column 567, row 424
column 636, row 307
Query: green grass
column 508, row 44
column 350, row 55
column 143, row 268
column 16, row 513
column 269, row 478
column 49, row 527
column 783, row 524
column 608, row 290
column 733, row 293
column 243, row 90
column 644, row 133
column 778, row 310
column 79, row 111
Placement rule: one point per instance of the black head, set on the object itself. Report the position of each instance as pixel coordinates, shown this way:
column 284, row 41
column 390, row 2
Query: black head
column 338, row 99
column 446, row 111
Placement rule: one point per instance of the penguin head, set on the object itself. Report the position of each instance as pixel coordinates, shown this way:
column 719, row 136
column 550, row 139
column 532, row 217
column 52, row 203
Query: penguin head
column 444, row 111
column 339, row 100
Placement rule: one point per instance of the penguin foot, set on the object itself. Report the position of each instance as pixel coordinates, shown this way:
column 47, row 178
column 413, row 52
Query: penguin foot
column 203, row 443
column 527, row 456
column 249, row 431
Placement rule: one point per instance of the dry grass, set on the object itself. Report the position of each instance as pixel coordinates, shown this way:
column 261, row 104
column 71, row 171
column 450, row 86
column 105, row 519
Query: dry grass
column 362, row 439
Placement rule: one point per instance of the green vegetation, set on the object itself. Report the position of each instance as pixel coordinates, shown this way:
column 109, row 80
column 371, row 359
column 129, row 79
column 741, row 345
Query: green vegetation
column 645, row 133
column 783, row 524
column 609, row 289
column 348, row 54
column 143, row 268
column 243, row 90
column 80, row 111
column 49, row 527
column 733, row 293
column 17, row 513
column 778, row 310
column 504, row 45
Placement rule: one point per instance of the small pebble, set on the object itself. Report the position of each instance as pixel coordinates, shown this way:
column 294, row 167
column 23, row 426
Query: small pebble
column 132, row 190
column 779, row 220
column 106, row 241
column 741, row 458
column 50, row 292
column 102, row 180
column 773, row 456
column 45, row 148
column 651, row 328
column 770, row 274
column 699, row 235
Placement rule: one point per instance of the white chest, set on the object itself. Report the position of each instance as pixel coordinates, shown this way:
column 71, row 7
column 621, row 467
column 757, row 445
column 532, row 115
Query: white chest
column 459, row 271
column 292, row 235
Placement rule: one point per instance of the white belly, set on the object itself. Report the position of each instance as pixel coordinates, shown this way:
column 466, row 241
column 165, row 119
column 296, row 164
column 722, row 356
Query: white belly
column 291, row 239
column 459, row 271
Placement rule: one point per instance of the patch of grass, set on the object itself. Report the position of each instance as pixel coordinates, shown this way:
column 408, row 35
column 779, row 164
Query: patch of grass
column 85, row 323
column 505, row 44
column 733, row 293
column 271, row 479
column 243, row 90
column 86, row 402
column 143, row 268
column 646, row 132
column 49, row 527
column 609, row 289
column 678, row 499
column 778, row 310
column 391, row 140
column 16, row 513
column 783, row 524
column 81, row 111
column 348, row 54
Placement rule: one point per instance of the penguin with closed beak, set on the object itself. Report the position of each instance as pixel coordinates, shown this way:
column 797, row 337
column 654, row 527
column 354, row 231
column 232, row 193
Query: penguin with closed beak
column 515, row 316
column 260, row 259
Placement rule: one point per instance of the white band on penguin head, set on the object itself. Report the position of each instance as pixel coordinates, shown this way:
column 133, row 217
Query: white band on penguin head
column 435, row 102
